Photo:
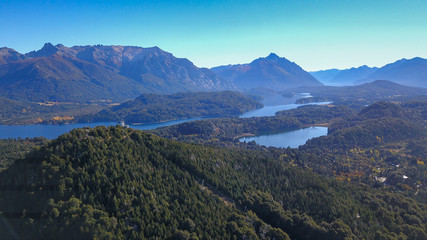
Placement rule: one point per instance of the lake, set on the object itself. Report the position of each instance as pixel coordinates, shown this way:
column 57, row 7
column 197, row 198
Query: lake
column 291, row 139
column 268, row 111
column 53, row 131
column 272, row 104
column 275, row 103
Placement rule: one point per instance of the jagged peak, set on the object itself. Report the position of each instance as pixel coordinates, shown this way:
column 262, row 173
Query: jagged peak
column 272, row 56
column 277, row 59
column 48, row 49
column 48, row 45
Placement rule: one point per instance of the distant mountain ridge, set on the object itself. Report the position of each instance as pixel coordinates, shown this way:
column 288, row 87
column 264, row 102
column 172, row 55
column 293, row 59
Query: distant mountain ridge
column 100, row 73
column 343, row 77
column 409, row 72
column 91, row 73
column 271, row 72
column 360, row 95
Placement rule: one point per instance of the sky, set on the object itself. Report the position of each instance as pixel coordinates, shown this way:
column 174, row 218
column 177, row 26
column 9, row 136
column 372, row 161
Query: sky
column 314, row 34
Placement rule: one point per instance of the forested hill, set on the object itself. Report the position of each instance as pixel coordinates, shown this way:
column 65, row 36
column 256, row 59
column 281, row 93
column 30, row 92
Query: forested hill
column 117, row 183
column 376, row 146
column 227, row 131
column 387, row 121
column 13, row 149
column 110, row 183
column 384, row 145
column 149, row 108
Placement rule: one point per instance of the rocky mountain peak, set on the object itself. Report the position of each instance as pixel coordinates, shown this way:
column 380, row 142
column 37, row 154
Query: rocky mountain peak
column 48, row 49
column 272, row 56
column 9, row 55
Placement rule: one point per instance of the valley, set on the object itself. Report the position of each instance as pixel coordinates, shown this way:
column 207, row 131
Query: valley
column 206, row 120
column 250, row 151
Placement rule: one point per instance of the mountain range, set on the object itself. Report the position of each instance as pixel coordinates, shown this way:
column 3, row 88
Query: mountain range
column 271, row 72
column 409, row 72
column 91, row 73
column 96, row 73
column 336, row 77
column 117, row 73
column 379, row 90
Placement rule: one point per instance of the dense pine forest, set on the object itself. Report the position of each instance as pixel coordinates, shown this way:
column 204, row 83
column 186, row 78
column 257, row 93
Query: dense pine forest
column 365, row 180
column 116, row 182
column 378, row 145
column 13, row 149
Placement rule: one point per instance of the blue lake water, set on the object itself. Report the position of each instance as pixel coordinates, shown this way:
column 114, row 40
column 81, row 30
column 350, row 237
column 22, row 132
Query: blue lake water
column 276, row 102
column 272, row 104
column 291, row 139
column 53, row 131
column 268, row 111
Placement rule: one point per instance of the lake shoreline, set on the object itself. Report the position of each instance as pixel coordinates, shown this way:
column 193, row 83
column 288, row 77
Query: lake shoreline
column 52, row 131
column 290, row 138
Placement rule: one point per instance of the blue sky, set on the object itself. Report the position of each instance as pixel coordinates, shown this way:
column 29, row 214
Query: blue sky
column 314, row 34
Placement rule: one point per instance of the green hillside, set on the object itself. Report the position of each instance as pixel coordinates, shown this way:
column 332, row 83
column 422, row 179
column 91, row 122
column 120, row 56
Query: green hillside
column 113, row 183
